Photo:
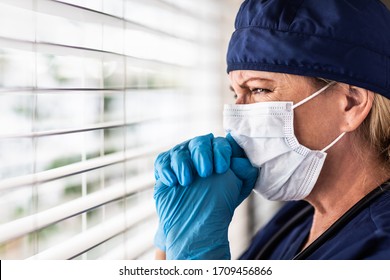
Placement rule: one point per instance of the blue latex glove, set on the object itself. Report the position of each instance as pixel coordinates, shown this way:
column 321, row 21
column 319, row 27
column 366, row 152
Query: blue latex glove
column 201, row 156
column 194, row 220
column 160, row 238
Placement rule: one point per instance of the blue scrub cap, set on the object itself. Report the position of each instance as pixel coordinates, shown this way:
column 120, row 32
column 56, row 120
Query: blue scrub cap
column 343, row 40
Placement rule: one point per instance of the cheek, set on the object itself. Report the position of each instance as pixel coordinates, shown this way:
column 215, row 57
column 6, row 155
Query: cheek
column 315, row 126
column 268, row 97
column 306, row 129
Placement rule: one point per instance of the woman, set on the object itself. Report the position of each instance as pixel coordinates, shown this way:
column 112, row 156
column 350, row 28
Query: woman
column 322, row 143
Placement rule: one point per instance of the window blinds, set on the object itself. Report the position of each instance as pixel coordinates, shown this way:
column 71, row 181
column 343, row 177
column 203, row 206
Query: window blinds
column 90, row 92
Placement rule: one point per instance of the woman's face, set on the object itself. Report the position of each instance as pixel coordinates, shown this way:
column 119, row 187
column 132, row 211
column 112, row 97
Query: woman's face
column 315, row 122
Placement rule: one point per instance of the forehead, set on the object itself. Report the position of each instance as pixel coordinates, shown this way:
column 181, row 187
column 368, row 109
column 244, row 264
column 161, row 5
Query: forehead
column 243, row 76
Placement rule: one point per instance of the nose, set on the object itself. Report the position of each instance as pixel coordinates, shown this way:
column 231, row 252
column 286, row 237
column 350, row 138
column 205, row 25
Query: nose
column 240, row 100
column 245, row 99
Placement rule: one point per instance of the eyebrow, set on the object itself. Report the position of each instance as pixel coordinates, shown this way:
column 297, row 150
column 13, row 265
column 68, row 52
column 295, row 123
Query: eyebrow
column 250, row 80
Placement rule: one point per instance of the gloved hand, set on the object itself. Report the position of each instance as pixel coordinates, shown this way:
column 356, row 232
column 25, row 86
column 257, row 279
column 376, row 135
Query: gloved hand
column 194, row 220
column 160, row 238
column 202, row 155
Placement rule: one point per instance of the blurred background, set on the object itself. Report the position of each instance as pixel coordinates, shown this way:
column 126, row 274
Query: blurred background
column 90, row 92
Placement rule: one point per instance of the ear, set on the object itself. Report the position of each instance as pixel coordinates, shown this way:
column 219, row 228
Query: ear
column 357, row 104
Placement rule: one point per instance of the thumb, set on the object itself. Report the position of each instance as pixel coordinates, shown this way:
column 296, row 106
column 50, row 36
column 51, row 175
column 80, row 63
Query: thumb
column 248, row 174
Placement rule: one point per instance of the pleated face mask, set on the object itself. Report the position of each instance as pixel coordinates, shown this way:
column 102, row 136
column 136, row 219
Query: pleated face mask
column 265, row 131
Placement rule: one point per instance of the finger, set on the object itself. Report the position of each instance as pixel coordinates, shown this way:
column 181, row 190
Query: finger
column 222, row 153
column 243, row 169
column 159, row 189
column 163, row 170
column 201, row 152
column 181, row 164
column 237, row 151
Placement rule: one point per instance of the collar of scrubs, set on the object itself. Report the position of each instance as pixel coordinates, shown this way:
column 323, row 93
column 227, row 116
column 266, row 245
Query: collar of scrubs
column 302, row 220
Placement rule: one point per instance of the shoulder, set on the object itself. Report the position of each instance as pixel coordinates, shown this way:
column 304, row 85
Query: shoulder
column 379, row 214
column 366, row 236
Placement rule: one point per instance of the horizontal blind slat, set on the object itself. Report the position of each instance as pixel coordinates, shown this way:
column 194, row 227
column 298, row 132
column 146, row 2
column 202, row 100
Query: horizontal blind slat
column 83, row 14
column 77, row 206
column 80, row 167
column 98, row 234
column 61, row 49
column 132, row 248
column 101, row 126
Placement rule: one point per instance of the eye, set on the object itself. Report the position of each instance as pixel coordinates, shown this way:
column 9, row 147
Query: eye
column 234, row 92
column 260, row 90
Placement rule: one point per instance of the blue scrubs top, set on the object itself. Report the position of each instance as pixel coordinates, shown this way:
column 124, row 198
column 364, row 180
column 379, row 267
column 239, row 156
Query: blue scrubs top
column 365, row 236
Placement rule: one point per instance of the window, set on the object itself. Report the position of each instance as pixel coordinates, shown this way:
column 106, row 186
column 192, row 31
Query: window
column 90, row 92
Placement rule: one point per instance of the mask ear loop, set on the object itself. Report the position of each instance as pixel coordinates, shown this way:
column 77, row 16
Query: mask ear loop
column 313, row 95
column 334, row 142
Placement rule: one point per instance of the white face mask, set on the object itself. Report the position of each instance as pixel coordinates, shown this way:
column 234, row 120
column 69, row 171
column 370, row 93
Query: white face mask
column 265, row 131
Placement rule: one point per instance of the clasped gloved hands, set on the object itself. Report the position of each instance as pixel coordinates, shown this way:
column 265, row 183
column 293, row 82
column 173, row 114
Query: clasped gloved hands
column 199, row 184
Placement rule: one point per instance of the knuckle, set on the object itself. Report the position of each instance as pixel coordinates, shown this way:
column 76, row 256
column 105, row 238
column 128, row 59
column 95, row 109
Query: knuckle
column 221, row 142
column 199, row 141
column 161, row 158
